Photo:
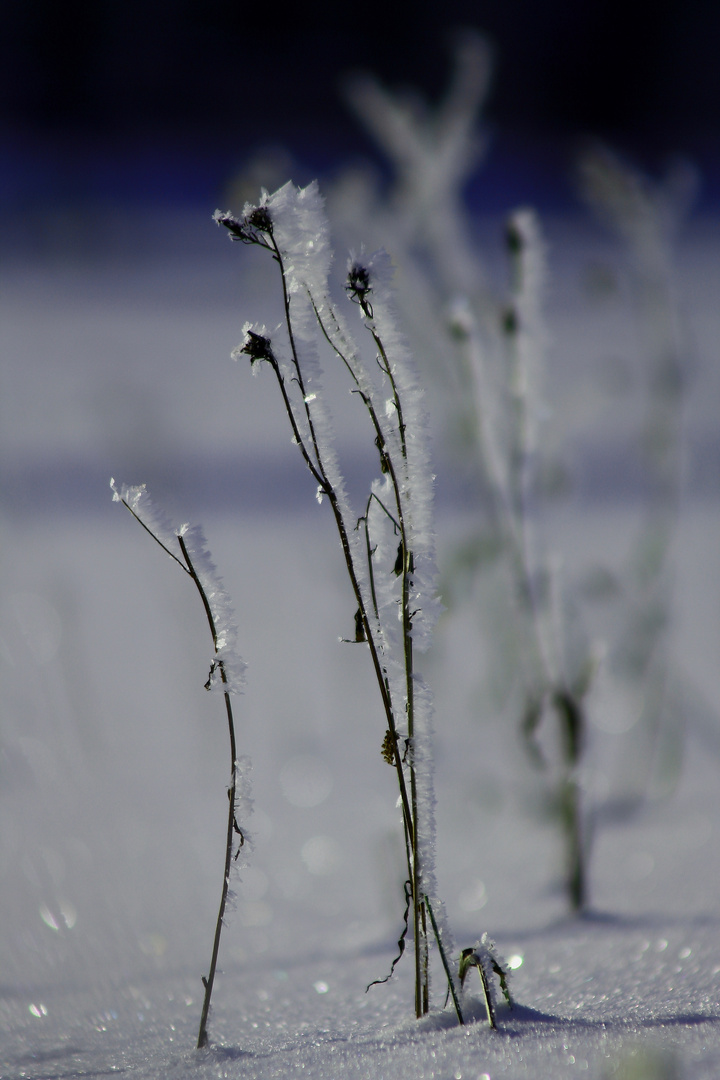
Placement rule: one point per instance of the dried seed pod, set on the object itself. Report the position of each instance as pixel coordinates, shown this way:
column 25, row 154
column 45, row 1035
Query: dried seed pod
column 388, row 748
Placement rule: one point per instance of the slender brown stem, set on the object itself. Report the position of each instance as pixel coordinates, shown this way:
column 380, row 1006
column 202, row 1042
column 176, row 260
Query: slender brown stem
column 419, row 930
column 446, row 965
column 231, row 825
column 318, row 471
column 489, row 1007
column 157, row 539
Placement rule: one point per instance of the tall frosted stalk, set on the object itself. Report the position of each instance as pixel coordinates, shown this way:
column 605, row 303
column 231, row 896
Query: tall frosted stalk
column 389, row 547
column 553, row 684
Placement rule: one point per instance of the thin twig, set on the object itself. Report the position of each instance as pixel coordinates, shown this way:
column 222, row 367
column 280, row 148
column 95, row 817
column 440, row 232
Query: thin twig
column 232, row 824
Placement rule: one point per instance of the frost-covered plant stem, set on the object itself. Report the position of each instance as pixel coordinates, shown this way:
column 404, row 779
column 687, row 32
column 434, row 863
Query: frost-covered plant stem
column 451, row 982
column 359, row 286
column 232, row 826
column 291, row 225
column 508, row 444
column 646, row 216
column 130, row 498
column 485, row 958
column 548, row 686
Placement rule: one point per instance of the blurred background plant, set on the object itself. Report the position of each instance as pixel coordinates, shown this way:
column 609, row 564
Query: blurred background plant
column 646, row 217
column 484, row 346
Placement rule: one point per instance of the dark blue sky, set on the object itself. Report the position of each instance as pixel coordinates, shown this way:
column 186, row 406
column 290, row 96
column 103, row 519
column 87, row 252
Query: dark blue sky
column 117, row 96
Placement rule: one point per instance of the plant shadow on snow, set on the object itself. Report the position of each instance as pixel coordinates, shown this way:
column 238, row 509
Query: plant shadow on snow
column 224, row 1053
column 55, row 1053
column 640, row 921
column 515, row 1024
column 594, row 919
column 215, row 1053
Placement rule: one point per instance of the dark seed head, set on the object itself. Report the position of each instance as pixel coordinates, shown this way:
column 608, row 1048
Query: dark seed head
column 388, row 748
column 260, row 219
column 256, row 347
column 358, row 284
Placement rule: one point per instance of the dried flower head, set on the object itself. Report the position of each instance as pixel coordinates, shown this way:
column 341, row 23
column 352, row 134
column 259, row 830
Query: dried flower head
column 256, row 346
column 358, row 286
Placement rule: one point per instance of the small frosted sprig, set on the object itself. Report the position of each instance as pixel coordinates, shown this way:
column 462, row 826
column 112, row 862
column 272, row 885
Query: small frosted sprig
column 488, row 962
column 227, row 672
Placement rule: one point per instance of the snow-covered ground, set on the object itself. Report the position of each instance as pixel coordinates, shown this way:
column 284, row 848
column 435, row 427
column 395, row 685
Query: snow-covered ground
column 113, row 759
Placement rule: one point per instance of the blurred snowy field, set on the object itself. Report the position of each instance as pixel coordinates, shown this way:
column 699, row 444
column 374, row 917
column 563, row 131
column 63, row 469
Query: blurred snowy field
column 115, row 361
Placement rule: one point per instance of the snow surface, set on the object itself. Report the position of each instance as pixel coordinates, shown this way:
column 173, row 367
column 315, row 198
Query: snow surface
column 113, row 758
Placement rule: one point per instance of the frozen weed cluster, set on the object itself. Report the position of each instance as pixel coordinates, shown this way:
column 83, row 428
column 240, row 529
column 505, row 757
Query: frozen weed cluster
column 387, row 543
column 646, row 217
column 495, row 342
